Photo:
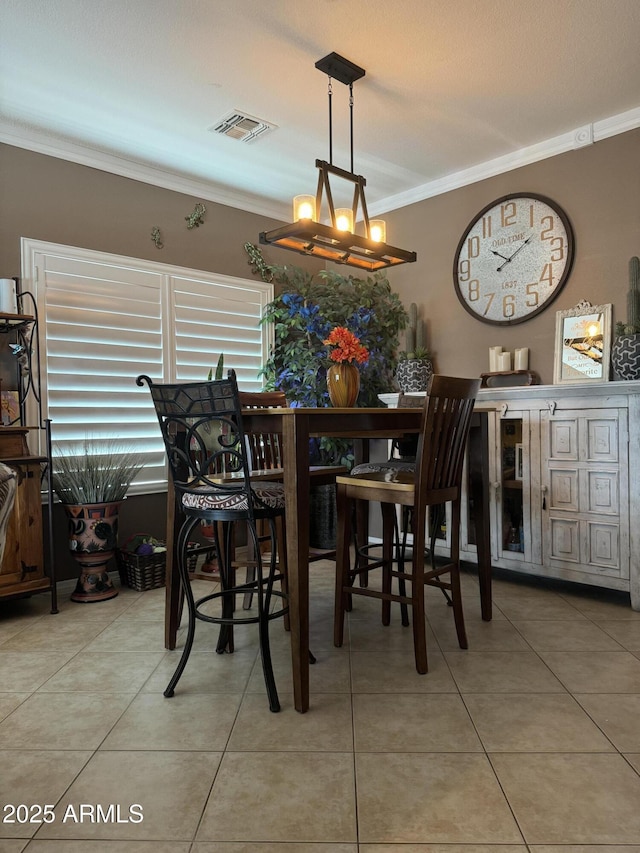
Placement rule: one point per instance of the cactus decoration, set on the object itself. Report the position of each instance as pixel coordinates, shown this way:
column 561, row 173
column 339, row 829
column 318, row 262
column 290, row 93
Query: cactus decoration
column 414, row 367
column 625, row 351
column 632, row 326
column 415, row 337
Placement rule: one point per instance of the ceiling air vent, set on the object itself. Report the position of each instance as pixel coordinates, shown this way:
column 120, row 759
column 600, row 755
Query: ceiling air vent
column 241, row 126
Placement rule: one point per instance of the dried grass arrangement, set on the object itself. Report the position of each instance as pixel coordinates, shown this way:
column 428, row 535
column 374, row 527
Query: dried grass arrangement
column 98, row 471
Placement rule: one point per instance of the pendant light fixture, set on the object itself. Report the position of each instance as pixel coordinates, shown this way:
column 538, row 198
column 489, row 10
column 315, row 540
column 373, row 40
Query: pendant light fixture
column 337, row 242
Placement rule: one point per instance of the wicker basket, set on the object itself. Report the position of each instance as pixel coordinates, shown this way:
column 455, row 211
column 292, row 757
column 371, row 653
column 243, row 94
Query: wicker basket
column 146, row 571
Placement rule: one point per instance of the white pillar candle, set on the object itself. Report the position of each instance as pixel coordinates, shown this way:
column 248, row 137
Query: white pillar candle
column 494, row 353
column 522, row 359
column 505, row 361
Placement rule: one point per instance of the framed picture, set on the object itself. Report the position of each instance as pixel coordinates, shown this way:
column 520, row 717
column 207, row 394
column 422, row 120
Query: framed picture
column 583, row 344
column 518, row 471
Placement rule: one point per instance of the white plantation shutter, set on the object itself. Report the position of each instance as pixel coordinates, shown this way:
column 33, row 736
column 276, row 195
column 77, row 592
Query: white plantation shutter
column 104, row 319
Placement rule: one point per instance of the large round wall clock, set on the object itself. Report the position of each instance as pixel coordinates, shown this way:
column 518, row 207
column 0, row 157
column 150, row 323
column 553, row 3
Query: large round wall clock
column 513, row 259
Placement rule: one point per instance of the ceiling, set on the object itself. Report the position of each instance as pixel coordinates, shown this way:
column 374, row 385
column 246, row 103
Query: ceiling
column 455, row 90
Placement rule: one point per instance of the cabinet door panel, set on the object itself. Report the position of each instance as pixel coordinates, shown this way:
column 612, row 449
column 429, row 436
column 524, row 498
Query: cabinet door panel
column 564, row 491
column 563, row 439
column 603, row 544
column 601, row 439
column 565, row 539
column 602, row 492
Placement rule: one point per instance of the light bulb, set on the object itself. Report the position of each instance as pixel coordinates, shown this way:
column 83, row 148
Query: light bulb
column 344, row 219
column 378, row 230
column 593, row 329
column 304, row 207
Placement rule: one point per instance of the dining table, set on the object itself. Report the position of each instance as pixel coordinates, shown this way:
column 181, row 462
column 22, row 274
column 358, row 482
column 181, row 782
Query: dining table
column 297, row 426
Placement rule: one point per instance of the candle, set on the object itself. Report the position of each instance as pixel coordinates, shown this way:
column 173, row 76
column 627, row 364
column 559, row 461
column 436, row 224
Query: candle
column 505, row 361
column 522, row 359
column 494, row 354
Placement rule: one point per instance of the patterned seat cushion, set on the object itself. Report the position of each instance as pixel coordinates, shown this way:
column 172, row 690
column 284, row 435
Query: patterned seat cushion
column 383, row 467
column 272, row 494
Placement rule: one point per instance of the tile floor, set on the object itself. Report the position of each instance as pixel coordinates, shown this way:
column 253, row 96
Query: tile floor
column 530, row 739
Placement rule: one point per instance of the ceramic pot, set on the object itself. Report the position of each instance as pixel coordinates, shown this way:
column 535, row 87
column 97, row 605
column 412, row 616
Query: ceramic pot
column 414, row 374
column 625, row 357
column 93, row 538
column 343, row 384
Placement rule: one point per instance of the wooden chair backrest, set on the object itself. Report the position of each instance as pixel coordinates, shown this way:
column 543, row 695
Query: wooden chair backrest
column 265, row 448
column 446, row 420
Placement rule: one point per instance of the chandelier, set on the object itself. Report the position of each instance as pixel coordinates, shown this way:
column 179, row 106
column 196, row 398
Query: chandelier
column 337, row 242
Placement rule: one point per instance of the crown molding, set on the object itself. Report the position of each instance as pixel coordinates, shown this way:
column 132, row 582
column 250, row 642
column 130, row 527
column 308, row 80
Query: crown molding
column 576, row 138
column 76, row 153
column 65, row 150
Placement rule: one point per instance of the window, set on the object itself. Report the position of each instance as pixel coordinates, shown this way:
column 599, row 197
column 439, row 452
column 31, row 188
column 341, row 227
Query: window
column 105, row 319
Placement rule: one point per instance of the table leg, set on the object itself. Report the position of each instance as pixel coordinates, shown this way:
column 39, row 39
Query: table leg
column 295, row 435
column 479, row 487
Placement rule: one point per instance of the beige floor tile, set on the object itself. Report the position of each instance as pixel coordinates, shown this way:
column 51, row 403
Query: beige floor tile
column 370, row 635
column 277, row 847
column 595, row 672
column 618, row 715
column 191, row 722
column 585, row 848
column 520, row 608
column 634, row 760
column 566, row 636
column 14, row 846
column 627, row 632
column 501, row 672
column 603, row 605
column 395, row 672
column 327, row 726
column 26, row 671
column 413, row 723
column 171, row 787
column 148, row 607
column 413, row 798
column 330, row 673
column 66, row 721
column 97, row 611
column 129, row 636
column 534, row 723
column 54, row 633
column 36, row 776
column 10, row 701
column 53, row 845
column 495, row 636
column 11, row 626
column 206, row 672
column 443, row 848
column 571, row 799
column 104, row 672
column 314, row 791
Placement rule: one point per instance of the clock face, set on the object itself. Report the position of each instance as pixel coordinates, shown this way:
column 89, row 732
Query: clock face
column 513, row 259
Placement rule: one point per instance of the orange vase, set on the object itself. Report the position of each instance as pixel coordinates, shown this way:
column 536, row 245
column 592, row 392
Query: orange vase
column 343, row 383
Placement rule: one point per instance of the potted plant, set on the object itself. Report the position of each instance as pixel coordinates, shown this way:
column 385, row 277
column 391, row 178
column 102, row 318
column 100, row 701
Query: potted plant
column 625, row 351
column 415, row 367
column 304, row 313
column 91, row 482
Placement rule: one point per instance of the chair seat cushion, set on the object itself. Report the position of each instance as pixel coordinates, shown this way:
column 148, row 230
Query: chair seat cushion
column 271, row 494
column 383, row 467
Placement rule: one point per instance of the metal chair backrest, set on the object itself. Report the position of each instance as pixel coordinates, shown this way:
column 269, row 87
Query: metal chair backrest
column 201, row 424
column 446, row 420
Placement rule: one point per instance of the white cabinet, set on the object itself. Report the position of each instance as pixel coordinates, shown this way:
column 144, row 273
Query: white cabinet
column 565, row 483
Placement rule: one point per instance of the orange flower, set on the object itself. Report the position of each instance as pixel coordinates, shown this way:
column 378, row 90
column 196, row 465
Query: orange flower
column 347, row 346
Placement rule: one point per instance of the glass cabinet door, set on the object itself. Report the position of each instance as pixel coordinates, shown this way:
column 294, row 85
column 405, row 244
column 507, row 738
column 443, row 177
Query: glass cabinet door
column 511, row 486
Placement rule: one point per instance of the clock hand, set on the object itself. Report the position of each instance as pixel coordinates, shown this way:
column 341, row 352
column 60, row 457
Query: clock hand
column 508, row 260
column 504, row 257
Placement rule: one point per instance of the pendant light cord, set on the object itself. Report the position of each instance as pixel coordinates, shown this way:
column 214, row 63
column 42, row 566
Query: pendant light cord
column 330, row 94
column 351, row 122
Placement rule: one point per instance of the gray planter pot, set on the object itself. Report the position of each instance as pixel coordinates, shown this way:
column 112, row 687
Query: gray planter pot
column 414, row 374
column 625, row 357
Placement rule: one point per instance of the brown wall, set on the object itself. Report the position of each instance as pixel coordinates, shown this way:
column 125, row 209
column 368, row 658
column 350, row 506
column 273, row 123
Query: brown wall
column 599, row 188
